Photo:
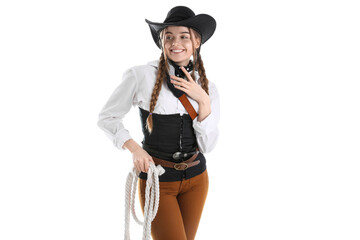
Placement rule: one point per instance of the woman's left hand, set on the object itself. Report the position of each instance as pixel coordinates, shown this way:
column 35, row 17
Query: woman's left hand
column 191, row 88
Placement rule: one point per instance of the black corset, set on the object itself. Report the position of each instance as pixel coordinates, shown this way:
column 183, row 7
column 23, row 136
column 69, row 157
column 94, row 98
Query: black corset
column 171, row 132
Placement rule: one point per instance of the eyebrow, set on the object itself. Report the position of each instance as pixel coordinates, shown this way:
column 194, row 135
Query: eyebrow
column 180, row 33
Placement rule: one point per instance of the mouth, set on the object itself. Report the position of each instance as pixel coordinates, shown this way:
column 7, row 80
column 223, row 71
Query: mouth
column 177, row 51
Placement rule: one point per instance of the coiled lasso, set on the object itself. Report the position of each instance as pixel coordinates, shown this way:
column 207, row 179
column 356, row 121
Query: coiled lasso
column 151, row 202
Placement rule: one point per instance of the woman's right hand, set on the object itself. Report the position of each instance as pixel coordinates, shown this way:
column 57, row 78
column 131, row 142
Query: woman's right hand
column 141, row 160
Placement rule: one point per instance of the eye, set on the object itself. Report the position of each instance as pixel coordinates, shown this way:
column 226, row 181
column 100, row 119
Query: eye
column 184, row 37
column 168, row 37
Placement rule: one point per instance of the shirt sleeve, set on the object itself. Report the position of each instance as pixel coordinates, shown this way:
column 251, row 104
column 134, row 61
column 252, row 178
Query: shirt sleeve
column 207, row 131
column 118, row 105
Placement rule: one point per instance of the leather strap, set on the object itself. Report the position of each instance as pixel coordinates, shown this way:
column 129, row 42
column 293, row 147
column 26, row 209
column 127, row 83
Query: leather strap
column 178, row 166
column 187, row 105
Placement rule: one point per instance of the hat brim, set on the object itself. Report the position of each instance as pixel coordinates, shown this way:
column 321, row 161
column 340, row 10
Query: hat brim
column 204, row 24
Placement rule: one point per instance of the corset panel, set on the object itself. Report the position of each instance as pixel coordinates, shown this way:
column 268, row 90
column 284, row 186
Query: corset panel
column 171, row 132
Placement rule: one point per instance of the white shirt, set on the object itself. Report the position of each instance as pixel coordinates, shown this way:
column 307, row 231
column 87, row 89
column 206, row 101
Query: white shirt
column 136, row 88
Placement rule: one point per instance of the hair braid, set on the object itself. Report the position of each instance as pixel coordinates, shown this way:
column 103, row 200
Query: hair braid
column 161, row 74
column 204, row 82
column 198, row 63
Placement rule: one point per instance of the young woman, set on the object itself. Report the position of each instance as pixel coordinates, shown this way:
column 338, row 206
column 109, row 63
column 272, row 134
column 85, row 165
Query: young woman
column 179, row 111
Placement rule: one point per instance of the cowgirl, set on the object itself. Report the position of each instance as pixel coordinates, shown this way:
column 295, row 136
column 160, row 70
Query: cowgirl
column 179, row 112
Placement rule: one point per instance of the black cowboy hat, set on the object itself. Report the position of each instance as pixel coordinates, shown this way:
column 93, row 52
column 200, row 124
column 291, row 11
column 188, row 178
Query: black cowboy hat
column 183, row 16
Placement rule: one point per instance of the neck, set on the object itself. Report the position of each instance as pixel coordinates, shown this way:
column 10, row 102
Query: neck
column 180, row 64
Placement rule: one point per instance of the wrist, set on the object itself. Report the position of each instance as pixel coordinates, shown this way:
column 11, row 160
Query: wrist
column 204, row 100
column 132, row 146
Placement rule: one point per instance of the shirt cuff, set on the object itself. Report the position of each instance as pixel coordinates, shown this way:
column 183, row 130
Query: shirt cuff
column 203, row 127
column 120, row 138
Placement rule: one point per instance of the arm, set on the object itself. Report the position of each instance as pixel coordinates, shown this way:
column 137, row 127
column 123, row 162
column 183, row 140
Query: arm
column 132, row 146
column 204, row 108
column 118, row 105
column 206, row 123
column 112, row 114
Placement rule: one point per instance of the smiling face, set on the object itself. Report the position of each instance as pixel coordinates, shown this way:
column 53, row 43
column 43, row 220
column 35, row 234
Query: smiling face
column 178, row 45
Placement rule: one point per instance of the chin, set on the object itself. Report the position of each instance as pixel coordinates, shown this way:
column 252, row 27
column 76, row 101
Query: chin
column 179, row 60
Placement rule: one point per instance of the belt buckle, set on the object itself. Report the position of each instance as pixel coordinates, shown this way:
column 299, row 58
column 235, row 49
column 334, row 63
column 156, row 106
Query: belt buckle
column 177, row 155
column 177, row 166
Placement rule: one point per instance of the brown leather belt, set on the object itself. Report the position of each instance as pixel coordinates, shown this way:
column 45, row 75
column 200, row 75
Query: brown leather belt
column 178, row 166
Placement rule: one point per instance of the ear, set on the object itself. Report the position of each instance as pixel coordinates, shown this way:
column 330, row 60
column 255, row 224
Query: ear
column 196, row 36
column 197, row 43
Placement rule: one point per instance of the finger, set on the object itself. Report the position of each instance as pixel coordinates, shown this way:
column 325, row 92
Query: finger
column 146, row 166
column 136, row 165
column 179, row 83
column 187, row 74
column 184, row 89
column 180, row 87
column 178, row 79
column 143, row 166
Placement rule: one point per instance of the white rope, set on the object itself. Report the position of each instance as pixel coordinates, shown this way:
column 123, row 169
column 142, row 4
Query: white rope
column 151, row 202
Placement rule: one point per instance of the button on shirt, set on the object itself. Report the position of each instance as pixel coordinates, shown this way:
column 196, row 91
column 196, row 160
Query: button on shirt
column 135, row 90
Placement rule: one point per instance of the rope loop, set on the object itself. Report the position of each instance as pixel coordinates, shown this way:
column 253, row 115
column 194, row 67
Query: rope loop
column 152, row 198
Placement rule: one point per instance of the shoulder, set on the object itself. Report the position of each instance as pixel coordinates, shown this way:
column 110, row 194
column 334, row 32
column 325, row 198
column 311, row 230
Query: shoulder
column 150, row 66
column 144, row 69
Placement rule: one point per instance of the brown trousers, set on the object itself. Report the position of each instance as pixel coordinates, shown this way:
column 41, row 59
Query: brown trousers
column 180, row 207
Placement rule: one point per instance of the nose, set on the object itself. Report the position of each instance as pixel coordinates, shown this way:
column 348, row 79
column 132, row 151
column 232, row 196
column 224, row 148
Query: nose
column 175, row 41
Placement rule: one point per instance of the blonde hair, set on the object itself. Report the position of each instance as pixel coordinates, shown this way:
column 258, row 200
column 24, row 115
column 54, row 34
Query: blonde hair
column 163, row 69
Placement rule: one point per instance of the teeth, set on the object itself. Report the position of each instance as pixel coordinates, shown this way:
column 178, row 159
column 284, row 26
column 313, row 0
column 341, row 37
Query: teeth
column 177, row 50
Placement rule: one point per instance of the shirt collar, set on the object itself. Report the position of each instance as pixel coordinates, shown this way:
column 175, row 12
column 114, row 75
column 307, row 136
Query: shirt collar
column 155, row 63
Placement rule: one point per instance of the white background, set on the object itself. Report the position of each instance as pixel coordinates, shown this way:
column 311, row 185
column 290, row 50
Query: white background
column 286, row 165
